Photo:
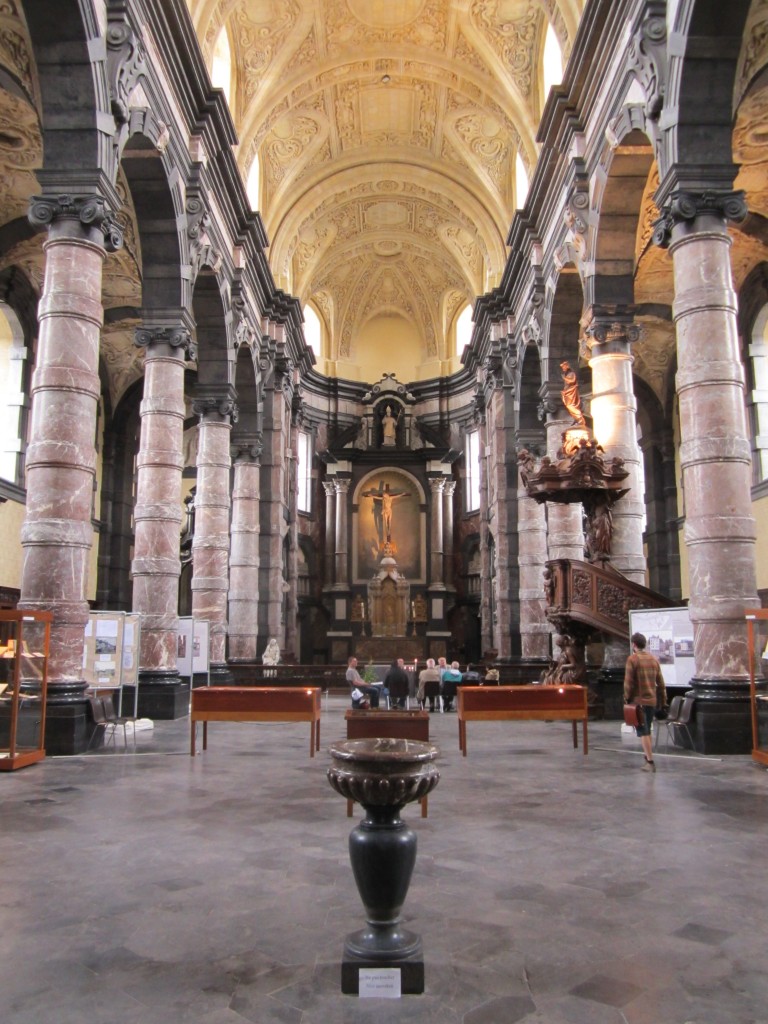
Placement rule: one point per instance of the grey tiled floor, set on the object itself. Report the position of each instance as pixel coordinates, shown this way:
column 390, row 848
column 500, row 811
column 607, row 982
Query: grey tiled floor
column 550, row 888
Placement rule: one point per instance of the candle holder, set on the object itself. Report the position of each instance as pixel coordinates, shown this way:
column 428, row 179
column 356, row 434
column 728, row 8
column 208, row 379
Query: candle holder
column 383, row 775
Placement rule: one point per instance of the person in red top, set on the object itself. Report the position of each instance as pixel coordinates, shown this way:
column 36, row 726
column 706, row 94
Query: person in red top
column 644, row 685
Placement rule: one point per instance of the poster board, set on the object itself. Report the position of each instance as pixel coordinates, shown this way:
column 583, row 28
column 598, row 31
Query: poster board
column 669, row 632
column 193, row 650
column 103, row 650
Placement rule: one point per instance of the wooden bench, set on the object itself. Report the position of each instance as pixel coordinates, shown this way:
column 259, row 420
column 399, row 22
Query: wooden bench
column 256, row 704
column 522, row 703
column 398, row 725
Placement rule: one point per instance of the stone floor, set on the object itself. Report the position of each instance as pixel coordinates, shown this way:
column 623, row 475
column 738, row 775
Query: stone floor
column 153, row 888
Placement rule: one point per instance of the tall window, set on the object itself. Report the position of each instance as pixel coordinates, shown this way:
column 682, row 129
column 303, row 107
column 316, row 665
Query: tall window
column 757, row 397
column 521, row 182
column 552, row 62
column 472, row 457
column 313, row 334
column 305, row 472
column 221, row 68
column 13, row 354
column 463, row 330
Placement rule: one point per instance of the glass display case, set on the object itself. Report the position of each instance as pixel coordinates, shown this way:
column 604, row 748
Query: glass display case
column 25, row 638
column 757, row 639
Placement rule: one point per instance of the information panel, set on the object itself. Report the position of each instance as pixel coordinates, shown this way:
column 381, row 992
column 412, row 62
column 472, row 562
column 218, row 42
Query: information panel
column 669, row 633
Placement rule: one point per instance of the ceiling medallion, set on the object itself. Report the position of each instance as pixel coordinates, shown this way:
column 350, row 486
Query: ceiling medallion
column 387, row 247
column 383, row 14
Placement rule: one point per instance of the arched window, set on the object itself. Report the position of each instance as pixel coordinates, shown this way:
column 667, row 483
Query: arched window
column 313, row 331
column 221, row 67
column 757, row 396
column 472, row 464
column 552, row 62
column 521, row 182
column 13, row 399
column 463, row 329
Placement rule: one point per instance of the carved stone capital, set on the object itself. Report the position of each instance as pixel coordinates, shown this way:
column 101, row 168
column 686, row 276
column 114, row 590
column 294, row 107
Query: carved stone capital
column 211, row 406
column 685, row 207
column 201, row 252
column 176, row 337
column 90, row 211
column 611, row 336
column 246, row 449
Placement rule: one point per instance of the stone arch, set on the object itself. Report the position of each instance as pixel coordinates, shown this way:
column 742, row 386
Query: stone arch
column 618, row 200
column 702, row 71
column 71, row 144
column 565, row 304
column 215, row 362
column 529, row 393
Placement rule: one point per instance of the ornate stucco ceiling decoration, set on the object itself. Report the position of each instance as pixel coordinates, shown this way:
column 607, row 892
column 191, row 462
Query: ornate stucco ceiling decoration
column 386, row 134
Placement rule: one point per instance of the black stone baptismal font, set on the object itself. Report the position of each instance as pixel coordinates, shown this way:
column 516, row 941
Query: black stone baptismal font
column 383, row 775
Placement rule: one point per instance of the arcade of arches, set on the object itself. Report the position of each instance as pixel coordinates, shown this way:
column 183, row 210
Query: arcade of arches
column 238, row 241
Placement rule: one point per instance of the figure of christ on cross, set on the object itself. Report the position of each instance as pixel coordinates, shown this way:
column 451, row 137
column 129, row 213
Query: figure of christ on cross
column 383, row 499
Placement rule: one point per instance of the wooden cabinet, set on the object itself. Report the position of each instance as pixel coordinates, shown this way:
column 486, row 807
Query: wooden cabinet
column 24, row 647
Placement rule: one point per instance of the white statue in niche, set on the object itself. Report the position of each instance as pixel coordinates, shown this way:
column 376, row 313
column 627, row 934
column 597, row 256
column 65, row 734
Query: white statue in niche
column 389, row 428
column 271, row 656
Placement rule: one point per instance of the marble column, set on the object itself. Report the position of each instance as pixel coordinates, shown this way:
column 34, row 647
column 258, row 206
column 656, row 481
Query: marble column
column 210, row 545
column 565, row 531
column 436, row 580
column 614, row 415
column 341, row 485
column 330, row 530
column 156, row 565
column 244, row 551
column 57, row 533
column 448, row 539
column 716, row 464
column 535, row 629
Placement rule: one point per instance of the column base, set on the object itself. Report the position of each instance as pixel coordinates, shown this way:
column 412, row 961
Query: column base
column 722, row 719
column 163, row 697
column 411, row 972
column 220, row 675
column 68, row 727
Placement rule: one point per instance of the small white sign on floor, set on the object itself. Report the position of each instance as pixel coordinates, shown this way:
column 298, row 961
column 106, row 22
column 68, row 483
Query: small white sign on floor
column 379, row 984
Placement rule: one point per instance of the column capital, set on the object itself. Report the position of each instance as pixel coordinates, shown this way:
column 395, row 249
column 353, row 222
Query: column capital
column 90, row 212
column 178, row 338
column 341, row 484
column 450, row 487
column 437, row 484
column 329, row 486
column 246, row 449
column 684, row 207
column 607, row 334
column 215, row 403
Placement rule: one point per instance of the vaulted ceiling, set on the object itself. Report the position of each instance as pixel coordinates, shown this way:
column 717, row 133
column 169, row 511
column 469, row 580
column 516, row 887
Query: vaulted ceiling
column 386, row 134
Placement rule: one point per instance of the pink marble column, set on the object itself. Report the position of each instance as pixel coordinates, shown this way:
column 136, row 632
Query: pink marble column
column 210, row 545
column 341, row 485
column 436, row 581
column 714, row 447
column 532, row 554
column 244, row 552
column 448, row 539
column 157, row 515
column 61, row 459
column 614, row 415
column 330, row 529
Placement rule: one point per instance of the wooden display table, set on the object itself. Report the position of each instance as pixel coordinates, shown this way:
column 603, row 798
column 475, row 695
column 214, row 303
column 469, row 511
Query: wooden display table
column 256, row 704
column 399, row 725
column 522, row 703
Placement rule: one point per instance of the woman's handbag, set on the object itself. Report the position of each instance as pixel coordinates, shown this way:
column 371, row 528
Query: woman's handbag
column 634, row 715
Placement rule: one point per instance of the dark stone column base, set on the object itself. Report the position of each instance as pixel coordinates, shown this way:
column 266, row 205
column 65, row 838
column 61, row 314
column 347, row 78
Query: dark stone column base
column 221, row 675
column 609, row 689
column 163, row 698
column 411, row 976
column 68, row 727
column 722, row 719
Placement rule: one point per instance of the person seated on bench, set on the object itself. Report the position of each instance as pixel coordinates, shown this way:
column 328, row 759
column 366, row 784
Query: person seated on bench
column 355, row 681
column 451, row 679
column 429, row 684
column 396, row 681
